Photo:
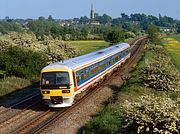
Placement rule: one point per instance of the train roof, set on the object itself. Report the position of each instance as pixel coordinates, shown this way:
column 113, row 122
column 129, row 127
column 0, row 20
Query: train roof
column 79, row 61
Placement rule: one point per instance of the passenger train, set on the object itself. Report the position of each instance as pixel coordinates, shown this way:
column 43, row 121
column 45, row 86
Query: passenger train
column 62, row 81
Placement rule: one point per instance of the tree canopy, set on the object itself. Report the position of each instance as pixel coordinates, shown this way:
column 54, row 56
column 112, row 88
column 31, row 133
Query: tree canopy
column 153, row 33
column 115, row 36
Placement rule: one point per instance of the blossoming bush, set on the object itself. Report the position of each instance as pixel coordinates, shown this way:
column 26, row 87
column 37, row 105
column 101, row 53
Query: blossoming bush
column 54, row 49
column 152, row 114
column 161, row 74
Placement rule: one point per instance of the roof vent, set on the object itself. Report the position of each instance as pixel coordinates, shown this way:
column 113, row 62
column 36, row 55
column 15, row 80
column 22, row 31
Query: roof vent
column 117, row 46
column 100, row 52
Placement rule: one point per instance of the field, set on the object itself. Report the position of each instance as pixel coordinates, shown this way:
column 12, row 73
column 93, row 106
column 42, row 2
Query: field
column 88, row 46
column 175, row 36
column 172, row 46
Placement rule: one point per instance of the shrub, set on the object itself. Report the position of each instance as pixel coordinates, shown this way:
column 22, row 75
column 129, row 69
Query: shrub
column 160, row 74
column 54, row 49
column 57, row 50
column 152, row 115
column 20, row 62
column 115, row 36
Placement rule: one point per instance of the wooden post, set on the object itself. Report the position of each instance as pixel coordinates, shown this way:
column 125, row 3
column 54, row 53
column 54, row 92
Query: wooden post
column 3, row 73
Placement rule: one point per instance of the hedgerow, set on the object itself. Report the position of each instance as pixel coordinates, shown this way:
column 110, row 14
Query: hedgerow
column 152, row 114
column 161, row 73
column 54, row 49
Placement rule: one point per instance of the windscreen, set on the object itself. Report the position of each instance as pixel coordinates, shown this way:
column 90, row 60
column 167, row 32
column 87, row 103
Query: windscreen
column 54, row 79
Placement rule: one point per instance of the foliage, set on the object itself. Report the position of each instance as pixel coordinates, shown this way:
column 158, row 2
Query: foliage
column 20, row 62
column 104, row 19
column 152, row 115
column 153, row 33
column 161, row 73
column 42, row 28
column 115, row 36
column 57, row 50
column 6, row 27
column 54, row 49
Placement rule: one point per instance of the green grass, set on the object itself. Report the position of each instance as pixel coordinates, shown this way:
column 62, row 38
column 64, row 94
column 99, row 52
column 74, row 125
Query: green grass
column 11, row 84
column 88, row 46
column 13, row 89
column 106, row 122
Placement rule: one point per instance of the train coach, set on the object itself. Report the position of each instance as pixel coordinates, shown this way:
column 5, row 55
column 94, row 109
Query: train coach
column 61, row 82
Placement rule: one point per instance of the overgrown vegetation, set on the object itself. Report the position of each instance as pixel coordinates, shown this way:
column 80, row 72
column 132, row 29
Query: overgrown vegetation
column 142, row 109
column 115, row 36
column 6, row 27
column 160, row 74
column 54, row 49
column 152, row 114
column 153, row 33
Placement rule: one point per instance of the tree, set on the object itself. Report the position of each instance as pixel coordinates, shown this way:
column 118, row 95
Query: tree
column 153, row 33
column 115, row 36
column 84, row 20
column 124, row 16
column 178, row 27
column 6, row 27
column 50, row 18
column 22, row 62
column 41, row 18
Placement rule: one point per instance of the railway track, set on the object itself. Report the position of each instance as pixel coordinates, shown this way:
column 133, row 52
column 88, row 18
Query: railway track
column 26, row 103
column 21, row 102
column 48, row 118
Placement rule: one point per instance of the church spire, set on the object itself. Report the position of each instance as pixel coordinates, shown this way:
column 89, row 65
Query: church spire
column 92, row 12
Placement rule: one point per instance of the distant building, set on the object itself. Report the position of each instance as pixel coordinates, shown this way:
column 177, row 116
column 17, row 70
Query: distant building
column 167, row 29
column 95, row 23
column 92, row 13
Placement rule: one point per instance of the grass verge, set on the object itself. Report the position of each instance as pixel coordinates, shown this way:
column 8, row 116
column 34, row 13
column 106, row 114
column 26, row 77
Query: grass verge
column 11, row 84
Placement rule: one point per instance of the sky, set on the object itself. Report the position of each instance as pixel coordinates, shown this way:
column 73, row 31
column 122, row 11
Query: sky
column 66, row 9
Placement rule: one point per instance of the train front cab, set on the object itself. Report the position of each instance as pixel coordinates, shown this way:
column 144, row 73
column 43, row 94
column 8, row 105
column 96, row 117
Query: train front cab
column 57, row 87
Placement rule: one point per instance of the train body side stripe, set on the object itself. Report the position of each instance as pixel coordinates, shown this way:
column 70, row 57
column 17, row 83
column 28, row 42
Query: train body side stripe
column 82, row 86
